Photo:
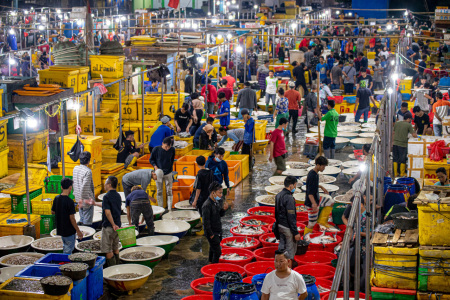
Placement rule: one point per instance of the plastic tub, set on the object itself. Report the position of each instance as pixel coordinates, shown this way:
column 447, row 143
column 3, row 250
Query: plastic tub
column 324, row 283
column 264, row 237
column 232, row 230
column 264, row 219
column 127, row 284
column 259, row 267
column 9, row 272
column 15, row 243
column 340, row 233
column 200, row 281
column 239, row 239
column 171, row 227
column 317, row 270
column 212, row 269
column 250, row 255
column 324, row 247
column 316, row 258
column 198, row 297
column 341, row 295
column 263, row 209
column 265, row 254
column 148, row 262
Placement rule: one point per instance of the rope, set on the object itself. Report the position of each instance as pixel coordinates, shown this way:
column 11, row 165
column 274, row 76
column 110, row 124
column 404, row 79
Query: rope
column 53, row 114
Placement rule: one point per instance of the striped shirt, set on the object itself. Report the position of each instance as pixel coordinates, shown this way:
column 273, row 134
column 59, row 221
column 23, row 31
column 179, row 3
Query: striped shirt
column 83, row 184
column 440, row 108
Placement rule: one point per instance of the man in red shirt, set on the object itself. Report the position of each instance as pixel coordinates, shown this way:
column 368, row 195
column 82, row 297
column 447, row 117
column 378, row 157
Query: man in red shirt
column 230, row 80
column 278, row 147
column 225, row 89
column 304, row 43
column 211, row 99
column 294, row 104
column 225, row 64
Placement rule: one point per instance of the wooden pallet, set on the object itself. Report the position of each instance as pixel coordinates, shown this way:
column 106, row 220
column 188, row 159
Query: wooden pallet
column 407, row 238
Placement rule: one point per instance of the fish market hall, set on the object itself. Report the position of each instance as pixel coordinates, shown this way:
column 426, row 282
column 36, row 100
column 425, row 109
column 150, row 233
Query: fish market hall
column 224, row 150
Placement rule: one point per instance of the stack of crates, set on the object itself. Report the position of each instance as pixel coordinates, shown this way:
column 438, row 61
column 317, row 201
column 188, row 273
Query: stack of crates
column 434, row 250
column 113, row 169
column 16, row 156
column 19, row 295
column 18, row 195
column 92, row 144
column 14, row 224
column 4, row 150
column 405, row 87
column 40, row 144
column 106, row 125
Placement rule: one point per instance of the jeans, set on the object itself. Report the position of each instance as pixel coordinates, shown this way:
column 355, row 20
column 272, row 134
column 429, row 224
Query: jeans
column 138, row 207
column 168, row 179
column 250, row 110
column 360, row 112
column 268, row 97
column 293, row 114
column 437, row 129
column 329, row 142
column 378, row 85
column 86, row 215
column 348, row 88
column 335, row 86
column 193, row 129
column 68, row 243
column 287, row 242
column 214, row 248
column 210, row 108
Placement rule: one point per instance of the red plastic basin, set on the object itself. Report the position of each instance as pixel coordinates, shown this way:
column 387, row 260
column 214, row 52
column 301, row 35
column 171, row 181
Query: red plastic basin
column 238, row 251
column 302, row 217
column 259, row 267
column 264, row 228
column 339, row 233
column 299, row 224
column 247, row 279
column 241, row 239
column 324, row 283
column 269, row 209
column 266, row 219
column 324, row 247
column 198, row 297
column 200, row 281
column 265, row 236
column 341, row 295
column 212, row 269
column 265, row 253
column 318, row 271
column 315, row 257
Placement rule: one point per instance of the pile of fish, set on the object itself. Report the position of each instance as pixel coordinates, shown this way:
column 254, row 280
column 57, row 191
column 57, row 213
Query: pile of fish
column 90, row 245
column 49, row 244
column 244, row 244
column 139, row 255
column 272, row 240
column 262, row 213
column 255, row 222
column 321, row 289
column 248, row 230
column 385, row 228
column 181, row 218
column 406, row 217
column 321, row 239
column 82, row 256
column 330, row 228
column 179, row 144
column 207, row 287
column 74, row 267
column 346, row 197
column 183, row 206
column 21, row 285
column 269, row 199
column 325, row 178
column 184, row 135
column 300, row 208
column 56, row 280
column 298, row 165
column 126, row 276
column 20, row 260
column 233, row 256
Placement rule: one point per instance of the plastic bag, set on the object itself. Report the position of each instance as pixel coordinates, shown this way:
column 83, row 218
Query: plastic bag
column 436, row 152
column 76, row 150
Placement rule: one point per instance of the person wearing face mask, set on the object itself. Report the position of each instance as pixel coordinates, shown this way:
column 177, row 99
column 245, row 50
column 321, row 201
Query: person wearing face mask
column 286, row 217
column 162, row 159
column 212, row 210
column 219, row 167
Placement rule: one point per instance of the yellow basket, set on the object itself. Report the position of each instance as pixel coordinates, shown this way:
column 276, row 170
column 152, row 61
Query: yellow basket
column 108, row 66
column 433, row 270
column 4, row 162
column 15, row 295
column 16, row 157
column 95, row 167
column 36, row 174
column 188, row 139
column 152, row 108
column 181, row 152
column 82, row 77
column 40, row 207
column 65, row 78
column 244, row 163
column 395, row 268
column 40, row 143
column 109, row 169
column 113, row 90
column 106, row 124
column 434, row 224
column 92, row 144
column 405, row 85
column 3, row 131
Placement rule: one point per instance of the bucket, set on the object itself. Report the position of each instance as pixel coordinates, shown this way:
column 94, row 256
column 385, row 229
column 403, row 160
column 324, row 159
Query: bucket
column 311, row 288
column 127, row 236
column 387, row 182
column 409, row 182
column 324, row 285
column 318, row 271
column 316, row 258
column 395, row 194
column 258, row 281
column 242, row 291
column 221, row 282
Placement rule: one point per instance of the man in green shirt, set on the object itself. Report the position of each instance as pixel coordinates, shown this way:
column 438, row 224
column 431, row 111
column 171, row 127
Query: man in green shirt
column 331, row 119
column 400, row 148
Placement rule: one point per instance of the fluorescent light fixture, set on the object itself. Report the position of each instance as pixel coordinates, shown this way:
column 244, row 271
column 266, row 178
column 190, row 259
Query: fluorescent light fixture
column 239, row 49
column 255, row 6
column 392, row 62
column 11, row 31
column 41, row 27
column 219, row 36
column 293, row 25
column 389, row 27
column 12, row 61
column 390, row 91
column 58, row 11
column 229, row 36
column 171, row 25
column 201, row 60
column 394, row 76
column 108, row 22
column 123, row 18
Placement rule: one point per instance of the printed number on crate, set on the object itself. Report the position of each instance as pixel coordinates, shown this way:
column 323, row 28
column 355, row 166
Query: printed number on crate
column 147, row 111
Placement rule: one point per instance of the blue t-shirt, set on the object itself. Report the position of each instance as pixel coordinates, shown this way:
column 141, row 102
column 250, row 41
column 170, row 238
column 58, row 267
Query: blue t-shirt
column 225, row 108
column 344, row 43
column 330, row 63
column 322, row 69
column 249, row 137
column 159, row 135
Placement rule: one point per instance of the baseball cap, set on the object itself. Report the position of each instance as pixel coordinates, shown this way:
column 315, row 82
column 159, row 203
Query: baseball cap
column 245, row 111
column 165, row 119
column 291, row 84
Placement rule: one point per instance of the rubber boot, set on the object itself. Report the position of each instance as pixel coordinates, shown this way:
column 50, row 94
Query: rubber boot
column 403, row 170
column 201, row 232
column 327, row 153
column 169, row 202
column 323, row 217
column 117, row 258
column 110, row 262
column 307, row 230
column 395, row 169
column 333, row 151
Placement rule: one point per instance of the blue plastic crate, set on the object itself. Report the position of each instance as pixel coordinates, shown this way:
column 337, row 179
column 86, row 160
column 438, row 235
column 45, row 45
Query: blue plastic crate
column 269, row 118
column 60, row 259
column 79, row 291
column 95, row 280
column 406, row 96
column 350, row 99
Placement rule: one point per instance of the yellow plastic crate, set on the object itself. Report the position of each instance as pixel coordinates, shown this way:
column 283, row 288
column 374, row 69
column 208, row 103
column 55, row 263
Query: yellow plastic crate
column 152, row 108
column 40, row 143
column 17, row 228
column 95, row 167
column 92, row 144
column 119, row 175
column 244, row 163
column 433, row 270
column 182, row 152
column 434, row 222
column 432, row 296
column 205, row 153
column 4, row 153
column 3, row 131
column 188, row 139
column 395, row 268
column 109, row 106
column 15, row 295
column 106, row 124
column 40, row 207
column 129, row 108
column 5, row 201
column 16, row 156
column 112, row 168
column 65, row 78
column 405, row 85
column 36, row 174
column 108, row 66
column 113, row 90
column 82, row 76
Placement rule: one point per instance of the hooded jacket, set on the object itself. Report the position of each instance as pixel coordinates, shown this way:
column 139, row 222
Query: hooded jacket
column 219, row 169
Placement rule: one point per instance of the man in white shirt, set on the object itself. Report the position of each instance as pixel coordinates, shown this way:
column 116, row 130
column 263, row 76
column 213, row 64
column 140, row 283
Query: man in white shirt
column 283, row 283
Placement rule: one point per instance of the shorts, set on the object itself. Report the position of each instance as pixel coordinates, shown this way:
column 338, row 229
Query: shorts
column 329, row 142
column 280, row 162
column 110, row 240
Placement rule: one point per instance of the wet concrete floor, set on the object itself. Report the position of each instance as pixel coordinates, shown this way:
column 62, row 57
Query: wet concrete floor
column 171, row 278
